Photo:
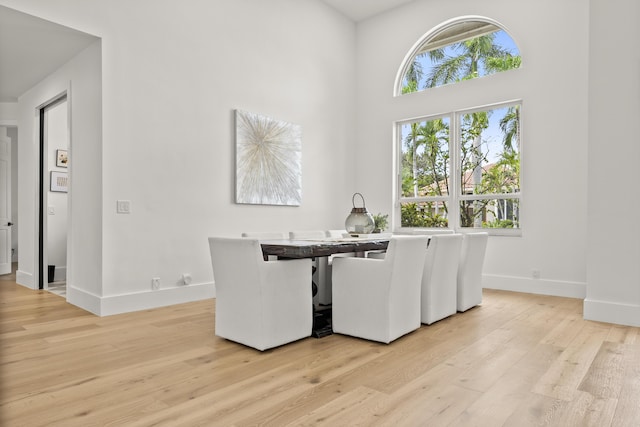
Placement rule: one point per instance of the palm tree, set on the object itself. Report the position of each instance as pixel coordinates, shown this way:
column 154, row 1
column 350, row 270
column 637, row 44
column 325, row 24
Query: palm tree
column 413, row 141
column 435, row 137
column 510, row 126
column 477, row 55
column 413, row 76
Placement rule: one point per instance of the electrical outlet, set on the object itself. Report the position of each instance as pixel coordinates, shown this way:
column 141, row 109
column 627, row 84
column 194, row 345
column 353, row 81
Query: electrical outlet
column 123, row 206
column 155, row 283
column 535, row 273
column 186, row 279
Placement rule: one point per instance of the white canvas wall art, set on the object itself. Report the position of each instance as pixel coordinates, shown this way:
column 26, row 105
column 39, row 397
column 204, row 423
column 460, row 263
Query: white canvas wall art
column 268, row 160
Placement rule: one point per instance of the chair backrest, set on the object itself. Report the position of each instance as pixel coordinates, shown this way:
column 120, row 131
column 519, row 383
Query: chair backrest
column 405, row 257
column 431, row 231
column 443, row 258
column 236, row 264
column 474, row 247
column 307, row 235
column 267, row 235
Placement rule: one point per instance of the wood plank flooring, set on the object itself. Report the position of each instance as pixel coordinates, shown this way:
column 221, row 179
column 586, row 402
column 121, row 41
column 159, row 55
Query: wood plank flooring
column 516, row 360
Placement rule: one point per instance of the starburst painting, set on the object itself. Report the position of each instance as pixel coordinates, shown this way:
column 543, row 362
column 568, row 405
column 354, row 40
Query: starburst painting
column 268, row 161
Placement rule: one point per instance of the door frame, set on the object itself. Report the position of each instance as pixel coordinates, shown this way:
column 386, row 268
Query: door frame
column 8, row 194
column 41, row 257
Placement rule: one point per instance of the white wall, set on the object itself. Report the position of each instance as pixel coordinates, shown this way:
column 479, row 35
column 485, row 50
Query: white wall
column 552, row 84
column 8, row 113
column 613, row 269
column 56, row 202
column 170, row 83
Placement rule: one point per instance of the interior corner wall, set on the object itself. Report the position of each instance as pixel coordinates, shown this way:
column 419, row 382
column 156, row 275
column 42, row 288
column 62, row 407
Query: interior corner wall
column 170, row 84
column 613, row 270
column 80, row 79
column 552, row 84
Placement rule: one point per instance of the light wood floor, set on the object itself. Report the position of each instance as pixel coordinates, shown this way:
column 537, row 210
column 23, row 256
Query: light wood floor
column 517, row 360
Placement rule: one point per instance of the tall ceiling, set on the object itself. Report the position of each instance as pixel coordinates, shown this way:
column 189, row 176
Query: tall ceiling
column 358, row 10
column 32, row 48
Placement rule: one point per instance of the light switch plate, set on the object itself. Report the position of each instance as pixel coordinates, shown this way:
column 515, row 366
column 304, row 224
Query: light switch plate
column 123, row 206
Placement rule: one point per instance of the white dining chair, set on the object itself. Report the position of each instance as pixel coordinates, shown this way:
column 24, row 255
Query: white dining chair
column 379, row 299
column 261, row 304
column 439, row 279
column 411, row 232
column 469, row 287
column 307, row 235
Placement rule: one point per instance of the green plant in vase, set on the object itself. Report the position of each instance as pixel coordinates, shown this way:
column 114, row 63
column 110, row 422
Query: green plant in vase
column 380, row 222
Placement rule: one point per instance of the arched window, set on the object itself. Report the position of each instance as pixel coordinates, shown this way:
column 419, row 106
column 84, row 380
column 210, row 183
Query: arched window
column 461, row 49
column 460, row 169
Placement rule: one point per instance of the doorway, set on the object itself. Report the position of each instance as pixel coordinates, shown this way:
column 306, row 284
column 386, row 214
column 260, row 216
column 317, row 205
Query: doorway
column 6, row 244
column 54, row 196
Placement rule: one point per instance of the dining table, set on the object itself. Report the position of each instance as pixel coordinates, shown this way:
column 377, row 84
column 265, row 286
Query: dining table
column 286, row 248
column 320, row 250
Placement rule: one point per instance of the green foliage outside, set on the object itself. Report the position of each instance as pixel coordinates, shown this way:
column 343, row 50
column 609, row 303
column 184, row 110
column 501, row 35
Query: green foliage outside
column 421, row 215
column 499, row 223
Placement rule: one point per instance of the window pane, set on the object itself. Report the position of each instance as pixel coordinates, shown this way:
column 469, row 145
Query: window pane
column 496, row 213
column 425, row 158
column 463, row 51
column 424, row 214
column 490, row 151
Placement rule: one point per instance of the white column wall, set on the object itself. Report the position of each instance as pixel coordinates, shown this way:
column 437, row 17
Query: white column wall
column 613, row 270
column 553, row 41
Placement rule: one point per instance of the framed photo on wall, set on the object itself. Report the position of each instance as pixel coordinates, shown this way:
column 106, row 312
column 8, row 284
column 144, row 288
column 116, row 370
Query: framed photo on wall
column 62, row 159
column 59, row 182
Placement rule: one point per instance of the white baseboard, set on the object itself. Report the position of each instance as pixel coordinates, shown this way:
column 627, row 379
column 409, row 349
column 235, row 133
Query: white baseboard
column 612, row 312
column 125, row 303
column 556, row 288
column 83, row 299
column 25, row 279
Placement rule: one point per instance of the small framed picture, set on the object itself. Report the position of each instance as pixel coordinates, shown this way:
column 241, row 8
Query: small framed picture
column 62, row 159
column 59, row 182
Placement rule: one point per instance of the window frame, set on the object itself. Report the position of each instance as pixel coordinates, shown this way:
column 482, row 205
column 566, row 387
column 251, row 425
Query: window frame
column 434, row 32
column 455, row 196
